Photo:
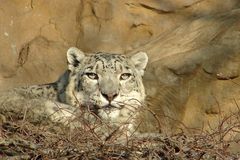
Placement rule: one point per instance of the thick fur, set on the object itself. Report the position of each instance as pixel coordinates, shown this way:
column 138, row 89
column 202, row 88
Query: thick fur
column 108, row 85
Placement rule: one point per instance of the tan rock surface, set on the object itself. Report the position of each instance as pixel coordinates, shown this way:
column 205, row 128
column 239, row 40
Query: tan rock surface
column 34, row 36
column 193, row 46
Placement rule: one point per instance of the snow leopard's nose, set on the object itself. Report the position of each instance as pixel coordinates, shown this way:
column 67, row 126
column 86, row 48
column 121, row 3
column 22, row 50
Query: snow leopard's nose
column 110, row 96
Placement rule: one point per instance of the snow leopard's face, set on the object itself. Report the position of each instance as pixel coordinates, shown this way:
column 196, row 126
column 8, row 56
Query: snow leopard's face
column 109, row 83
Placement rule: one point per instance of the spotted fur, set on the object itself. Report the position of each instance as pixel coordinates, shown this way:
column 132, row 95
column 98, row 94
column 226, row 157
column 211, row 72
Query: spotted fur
column 110, row 85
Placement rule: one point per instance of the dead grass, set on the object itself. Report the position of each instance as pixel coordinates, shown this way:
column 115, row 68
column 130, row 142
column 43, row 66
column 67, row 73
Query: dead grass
column 22, row 139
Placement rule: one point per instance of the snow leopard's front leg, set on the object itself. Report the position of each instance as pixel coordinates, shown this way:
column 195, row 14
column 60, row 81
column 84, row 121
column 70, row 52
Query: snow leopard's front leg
column 34, row 109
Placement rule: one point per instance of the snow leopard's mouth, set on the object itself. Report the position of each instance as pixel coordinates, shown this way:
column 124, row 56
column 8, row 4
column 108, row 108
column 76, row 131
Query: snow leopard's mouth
column 109, row 106
column 109, row 110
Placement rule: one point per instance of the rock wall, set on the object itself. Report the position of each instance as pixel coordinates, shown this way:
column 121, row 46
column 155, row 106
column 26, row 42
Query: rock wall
column 193, row 75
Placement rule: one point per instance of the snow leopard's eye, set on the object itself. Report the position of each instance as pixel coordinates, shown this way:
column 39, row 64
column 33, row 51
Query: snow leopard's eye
column 93, row 76
column 125, row 76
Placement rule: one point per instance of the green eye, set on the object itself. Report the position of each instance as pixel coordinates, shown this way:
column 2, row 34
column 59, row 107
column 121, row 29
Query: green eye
column 93, row 76
column 125, row 76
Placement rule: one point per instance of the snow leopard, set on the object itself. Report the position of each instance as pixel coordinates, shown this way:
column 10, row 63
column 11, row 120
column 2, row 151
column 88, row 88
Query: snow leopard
column 108, row 85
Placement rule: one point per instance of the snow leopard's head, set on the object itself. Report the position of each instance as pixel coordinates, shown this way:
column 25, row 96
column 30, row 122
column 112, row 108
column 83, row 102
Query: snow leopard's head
column 109, row 83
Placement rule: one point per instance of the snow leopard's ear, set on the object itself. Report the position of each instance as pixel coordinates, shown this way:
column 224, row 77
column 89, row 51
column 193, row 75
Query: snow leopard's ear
column 140, row 61
column 74, row 57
